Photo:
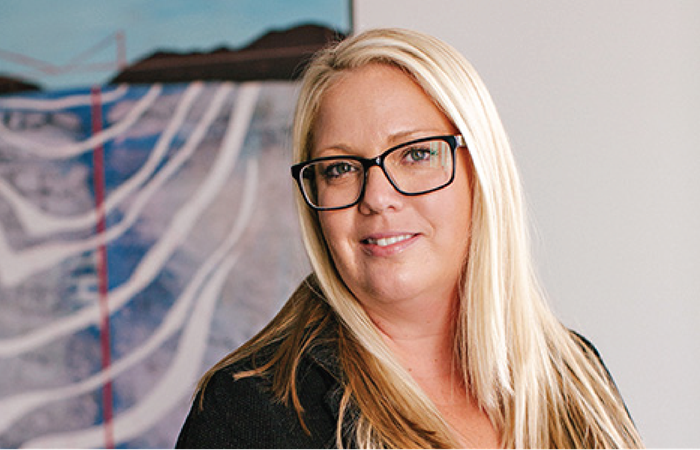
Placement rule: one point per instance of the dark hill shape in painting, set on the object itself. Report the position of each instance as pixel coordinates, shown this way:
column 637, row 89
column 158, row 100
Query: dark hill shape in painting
column 10, row 85
column 277, row 55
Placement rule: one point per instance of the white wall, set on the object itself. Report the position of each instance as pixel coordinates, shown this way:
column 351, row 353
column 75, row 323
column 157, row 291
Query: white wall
column 601, row 100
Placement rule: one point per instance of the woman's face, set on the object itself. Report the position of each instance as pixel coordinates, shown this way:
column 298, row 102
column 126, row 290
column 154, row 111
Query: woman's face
column 392, row 249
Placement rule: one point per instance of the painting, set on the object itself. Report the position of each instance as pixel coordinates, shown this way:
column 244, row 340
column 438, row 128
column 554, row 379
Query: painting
column 147, row 223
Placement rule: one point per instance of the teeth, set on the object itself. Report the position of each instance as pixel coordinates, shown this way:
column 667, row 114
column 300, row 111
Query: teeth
column 384, row 242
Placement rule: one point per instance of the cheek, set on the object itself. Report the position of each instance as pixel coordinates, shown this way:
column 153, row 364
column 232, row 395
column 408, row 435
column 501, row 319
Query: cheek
column 464, row 196
column 336, row 230
column 454, row 227
column 329, row 227
column 458, row 223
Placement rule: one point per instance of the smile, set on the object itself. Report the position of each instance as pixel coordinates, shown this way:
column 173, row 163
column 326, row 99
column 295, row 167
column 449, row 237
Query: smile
column 387, row 241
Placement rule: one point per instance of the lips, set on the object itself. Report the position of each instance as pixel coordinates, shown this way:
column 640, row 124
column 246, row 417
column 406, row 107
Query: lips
column 387, row 241
column 388, row 244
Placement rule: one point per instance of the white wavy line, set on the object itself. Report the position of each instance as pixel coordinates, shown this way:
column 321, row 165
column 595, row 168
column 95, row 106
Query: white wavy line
column 16, row 266
column 177, row 232
column 40, row 223
column 175, row 384
column 57, row 104
column 78, row 148
column 17, row 406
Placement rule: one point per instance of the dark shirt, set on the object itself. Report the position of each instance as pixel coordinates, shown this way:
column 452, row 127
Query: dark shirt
column 244, row 413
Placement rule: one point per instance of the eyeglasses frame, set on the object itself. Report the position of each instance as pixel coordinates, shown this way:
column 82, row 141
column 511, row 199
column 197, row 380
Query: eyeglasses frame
column 454, row 141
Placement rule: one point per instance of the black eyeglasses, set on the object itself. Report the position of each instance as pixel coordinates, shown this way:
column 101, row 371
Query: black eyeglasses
column 413, row 168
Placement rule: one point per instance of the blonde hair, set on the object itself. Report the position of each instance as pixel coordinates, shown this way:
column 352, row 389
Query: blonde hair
column 541, row 385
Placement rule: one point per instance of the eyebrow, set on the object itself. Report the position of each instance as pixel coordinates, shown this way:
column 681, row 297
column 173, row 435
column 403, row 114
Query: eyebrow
column 409, row 135
column 392, row 140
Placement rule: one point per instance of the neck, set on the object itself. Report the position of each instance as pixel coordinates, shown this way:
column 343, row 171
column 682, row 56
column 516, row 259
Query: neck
column 420, row 335
column 422, row 338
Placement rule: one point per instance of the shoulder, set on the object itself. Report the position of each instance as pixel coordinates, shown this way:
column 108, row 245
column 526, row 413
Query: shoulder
column 585, row 343
column 596, row 358
column 244, row 413
column 588, row 348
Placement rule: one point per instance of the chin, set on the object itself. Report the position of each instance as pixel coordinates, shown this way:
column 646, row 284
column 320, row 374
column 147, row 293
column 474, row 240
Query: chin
column 390, row 291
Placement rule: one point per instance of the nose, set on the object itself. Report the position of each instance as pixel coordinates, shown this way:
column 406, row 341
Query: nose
column 379, row 194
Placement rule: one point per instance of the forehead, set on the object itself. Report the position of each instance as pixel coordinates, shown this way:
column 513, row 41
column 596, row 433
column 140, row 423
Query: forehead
column 375, row 105
column 371, row 87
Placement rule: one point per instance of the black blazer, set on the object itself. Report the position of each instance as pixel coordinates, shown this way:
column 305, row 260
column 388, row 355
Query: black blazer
column 244, row 414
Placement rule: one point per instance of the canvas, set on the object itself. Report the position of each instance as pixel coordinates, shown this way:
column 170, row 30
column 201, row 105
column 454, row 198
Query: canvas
column 146, row 230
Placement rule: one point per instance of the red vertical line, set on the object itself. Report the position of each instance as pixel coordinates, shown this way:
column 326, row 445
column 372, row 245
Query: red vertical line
column 99, row 185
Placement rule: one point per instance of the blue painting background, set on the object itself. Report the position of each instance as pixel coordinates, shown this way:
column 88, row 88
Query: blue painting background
column 222, row 256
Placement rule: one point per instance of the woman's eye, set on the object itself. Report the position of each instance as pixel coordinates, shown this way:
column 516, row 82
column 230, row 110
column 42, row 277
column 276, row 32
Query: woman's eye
column 417, row 154
column 338, row 169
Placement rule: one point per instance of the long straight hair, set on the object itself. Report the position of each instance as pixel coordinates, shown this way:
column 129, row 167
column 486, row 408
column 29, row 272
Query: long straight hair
column 540, row 385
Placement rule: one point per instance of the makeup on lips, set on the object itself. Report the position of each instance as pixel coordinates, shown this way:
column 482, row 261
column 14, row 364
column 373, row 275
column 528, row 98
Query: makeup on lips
column 387, row 243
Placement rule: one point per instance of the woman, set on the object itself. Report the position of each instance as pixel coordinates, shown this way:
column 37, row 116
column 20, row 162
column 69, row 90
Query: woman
column 422, row 324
